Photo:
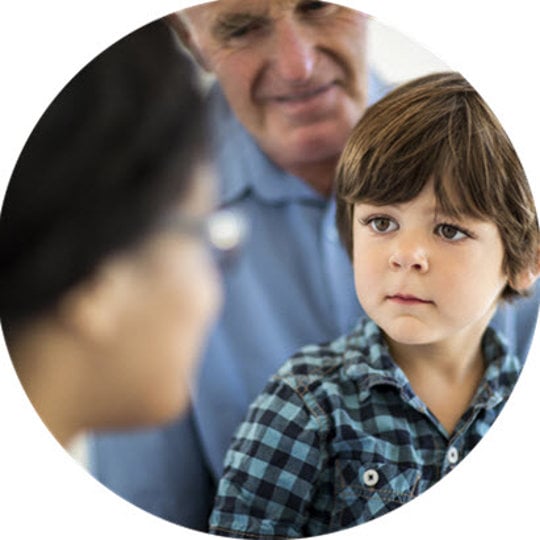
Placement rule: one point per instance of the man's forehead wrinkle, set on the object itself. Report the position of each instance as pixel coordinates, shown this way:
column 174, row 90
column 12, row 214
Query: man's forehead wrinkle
column 239, row 14
column 232, row 11
column 260, row 6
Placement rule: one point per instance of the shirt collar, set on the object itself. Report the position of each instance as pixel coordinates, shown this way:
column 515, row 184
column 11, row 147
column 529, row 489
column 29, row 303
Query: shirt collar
column 245, row 169
column 250, row 171
column 502, row 371
column 368, row 360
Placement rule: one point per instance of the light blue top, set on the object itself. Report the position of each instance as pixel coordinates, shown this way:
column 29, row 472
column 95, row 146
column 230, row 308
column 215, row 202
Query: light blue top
column 292, row 286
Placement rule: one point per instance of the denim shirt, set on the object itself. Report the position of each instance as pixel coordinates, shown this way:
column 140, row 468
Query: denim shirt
column 339, row 437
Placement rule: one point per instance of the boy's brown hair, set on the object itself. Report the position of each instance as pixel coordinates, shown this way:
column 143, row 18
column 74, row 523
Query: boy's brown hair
column 438, row 128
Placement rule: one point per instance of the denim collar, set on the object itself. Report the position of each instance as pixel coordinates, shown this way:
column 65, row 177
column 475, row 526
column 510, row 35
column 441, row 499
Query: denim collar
column 252, row 173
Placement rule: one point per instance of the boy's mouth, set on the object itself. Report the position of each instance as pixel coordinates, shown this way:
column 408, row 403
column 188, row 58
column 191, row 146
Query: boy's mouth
column 407, row 299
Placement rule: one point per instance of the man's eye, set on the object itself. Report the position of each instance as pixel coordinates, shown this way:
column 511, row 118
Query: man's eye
column 238, row 26
column 450, row 232
column 241, row 31
column 382, row 224
column 315, row 7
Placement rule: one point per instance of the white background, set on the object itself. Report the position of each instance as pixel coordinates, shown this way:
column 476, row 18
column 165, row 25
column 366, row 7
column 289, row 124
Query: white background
column 493, row 493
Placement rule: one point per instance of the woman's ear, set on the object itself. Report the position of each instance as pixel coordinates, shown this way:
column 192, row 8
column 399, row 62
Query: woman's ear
column 526, row 278
column 92, row 309
column 178, row 22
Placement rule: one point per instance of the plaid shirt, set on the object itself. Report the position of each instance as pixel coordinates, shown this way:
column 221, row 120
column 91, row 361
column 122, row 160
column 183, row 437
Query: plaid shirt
column 338, row 437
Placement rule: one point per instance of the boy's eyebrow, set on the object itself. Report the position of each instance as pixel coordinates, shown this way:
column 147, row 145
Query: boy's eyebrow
column 437, row 211
column 382, row 205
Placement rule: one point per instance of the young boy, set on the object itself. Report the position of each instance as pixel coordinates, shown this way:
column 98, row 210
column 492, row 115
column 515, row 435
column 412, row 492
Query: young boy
column 437, row 216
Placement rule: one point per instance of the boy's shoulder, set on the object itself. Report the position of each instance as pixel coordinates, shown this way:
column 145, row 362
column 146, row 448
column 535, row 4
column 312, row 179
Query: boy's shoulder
column 349, row 356
column 358, row 361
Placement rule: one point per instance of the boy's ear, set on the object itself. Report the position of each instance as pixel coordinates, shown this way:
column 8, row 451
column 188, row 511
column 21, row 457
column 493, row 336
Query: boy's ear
column 526, row 278
column 181, row 28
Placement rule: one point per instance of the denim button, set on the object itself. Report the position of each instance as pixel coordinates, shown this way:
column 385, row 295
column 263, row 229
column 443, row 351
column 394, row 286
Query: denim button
column 452, row 455
column 371, row 477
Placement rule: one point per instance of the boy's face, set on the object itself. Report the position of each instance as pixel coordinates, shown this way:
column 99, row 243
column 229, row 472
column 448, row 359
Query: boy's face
column 425, row 278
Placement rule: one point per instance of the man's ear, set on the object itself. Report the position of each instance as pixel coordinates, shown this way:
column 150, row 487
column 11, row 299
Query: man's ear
column 180, row 26
column 526, row 278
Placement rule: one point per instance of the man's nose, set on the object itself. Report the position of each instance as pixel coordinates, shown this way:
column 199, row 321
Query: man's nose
column 409, row 254
column 294, row 51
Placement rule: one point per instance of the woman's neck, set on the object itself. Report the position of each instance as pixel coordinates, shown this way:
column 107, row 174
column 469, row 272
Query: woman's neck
column 51, row 383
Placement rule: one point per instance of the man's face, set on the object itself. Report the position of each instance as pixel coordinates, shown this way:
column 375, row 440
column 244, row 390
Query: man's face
column 294, row 71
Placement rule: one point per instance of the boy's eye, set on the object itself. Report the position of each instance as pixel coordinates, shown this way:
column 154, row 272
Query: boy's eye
column 450, row 232
column 382, row 224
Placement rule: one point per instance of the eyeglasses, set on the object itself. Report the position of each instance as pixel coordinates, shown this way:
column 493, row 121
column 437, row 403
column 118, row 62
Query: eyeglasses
column 224, row 231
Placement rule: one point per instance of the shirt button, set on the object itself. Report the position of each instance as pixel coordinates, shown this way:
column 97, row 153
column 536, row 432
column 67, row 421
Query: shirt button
column 452, row 455
column 371, row 477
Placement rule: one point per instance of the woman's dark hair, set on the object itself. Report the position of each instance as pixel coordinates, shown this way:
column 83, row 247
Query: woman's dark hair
column 111, row 154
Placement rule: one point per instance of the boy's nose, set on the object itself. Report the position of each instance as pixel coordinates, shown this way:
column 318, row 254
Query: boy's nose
column 294, row 52
column 409, row 257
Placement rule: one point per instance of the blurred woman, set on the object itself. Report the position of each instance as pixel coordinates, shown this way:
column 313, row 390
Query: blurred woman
column 107, row 283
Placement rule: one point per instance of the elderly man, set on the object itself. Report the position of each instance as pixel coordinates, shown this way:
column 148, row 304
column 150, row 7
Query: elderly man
column 292, row 82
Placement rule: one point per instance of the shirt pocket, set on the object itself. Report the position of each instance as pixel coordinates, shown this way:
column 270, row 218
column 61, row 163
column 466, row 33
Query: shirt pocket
column 367, row 486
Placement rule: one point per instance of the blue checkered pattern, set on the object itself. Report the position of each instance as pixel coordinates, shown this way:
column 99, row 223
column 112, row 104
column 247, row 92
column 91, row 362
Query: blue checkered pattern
column 338, row 437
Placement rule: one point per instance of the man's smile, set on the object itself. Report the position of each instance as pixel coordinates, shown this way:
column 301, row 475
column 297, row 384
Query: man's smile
column 303, row 94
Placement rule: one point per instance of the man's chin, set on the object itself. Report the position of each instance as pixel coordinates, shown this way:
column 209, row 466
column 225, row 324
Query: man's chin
column 312, row 145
